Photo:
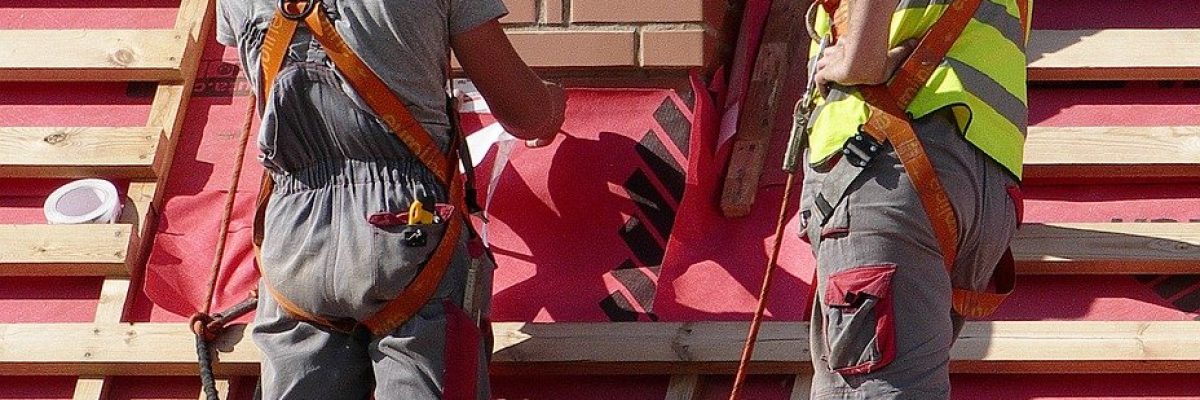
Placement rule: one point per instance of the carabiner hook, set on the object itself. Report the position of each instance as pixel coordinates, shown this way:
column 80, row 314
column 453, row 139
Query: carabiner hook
column 309, row 6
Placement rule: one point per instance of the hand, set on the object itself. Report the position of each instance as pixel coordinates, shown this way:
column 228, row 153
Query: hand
column 836, row 67
column 558, row 97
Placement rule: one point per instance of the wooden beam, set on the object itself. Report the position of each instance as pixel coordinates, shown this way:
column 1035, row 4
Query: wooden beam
column 64, row 250
column 142, row 215
column 168, row 110
column 114, row 295
column 1112, row 153
column 1114, row 54
column 1107, row 248
column 91, row 55
column 655, row 348
column 782, row 45
column 683, row 387
column 78, row 152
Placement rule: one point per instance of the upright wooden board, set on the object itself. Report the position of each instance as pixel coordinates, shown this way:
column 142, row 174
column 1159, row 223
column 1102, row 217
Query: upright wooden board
column 782, row 45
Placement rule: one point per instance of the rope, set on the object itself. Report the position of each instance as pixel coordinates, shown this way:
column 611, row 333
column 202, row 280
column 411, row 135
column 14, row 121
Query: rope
column 202, row 320
column 229, row 201
column 748, row 351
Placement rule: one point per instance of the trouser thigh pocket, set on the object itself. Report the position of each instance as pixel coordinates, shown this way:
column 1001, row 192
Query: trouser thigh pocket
column 860, row 330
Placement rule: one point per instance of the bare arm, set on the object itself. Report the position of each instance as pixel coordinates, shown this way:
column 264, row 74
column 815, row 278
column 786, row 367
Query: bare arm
column 861, row 56
column 526, row 106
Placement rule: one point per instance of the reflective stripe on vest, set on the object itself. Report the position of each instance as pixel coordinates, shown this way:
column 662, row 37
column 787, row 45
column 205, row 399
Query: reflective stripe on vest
column 983, row 78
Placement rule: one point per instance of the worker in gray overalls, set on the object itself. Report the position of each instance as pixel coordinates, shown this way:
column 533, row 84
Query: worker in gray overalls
column 339, row 172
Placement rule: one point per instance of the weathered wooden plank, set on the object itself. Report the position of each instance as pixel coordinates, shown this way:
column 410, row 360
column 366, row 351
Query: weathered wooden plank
column 78, row 152
column 1108, row 248
column 1113, row 153
column 64, row 250
column 629, row 348
column 1114, row 54
column 782, row 45
column 91, row 55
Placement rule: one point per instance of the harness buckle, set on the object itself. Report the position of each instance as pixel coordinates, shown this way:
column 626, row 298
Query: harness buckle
column 309, row 6
column 861, row 149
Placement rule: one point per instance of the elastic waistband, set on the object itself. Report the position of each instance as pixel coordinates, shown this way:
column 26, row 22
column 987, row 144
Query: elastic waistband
column 346, row 172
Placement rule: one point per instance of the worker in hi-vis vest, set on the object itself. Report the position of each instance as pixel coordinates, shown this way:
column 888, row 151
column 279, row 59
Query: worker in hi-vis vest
column 904, row 251
column 365, row 256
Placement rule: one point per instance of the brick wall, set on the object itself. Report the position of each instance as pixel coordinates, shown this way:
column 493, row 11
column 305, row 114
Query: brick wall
column 616, row 34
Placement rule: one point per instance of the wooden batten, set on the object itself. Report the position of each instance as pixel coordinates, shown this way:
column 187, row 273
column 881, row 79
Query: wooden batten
column 76, row 152
column 91, row 55
column 1114, row 54
column 1107, row 248
column 64, row 250
column 660, row 348
column 1168, row 153
column 1040, row 249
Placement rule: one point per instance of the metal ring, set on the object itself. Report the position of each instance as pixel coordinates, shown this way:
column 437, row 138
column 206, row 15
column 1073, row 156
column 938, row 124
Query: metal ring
column 309, row 6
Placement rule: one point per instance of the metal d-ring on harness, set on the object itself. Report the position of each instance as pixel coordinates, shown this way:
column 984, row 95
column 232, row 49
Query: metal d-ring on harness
column 308, row 8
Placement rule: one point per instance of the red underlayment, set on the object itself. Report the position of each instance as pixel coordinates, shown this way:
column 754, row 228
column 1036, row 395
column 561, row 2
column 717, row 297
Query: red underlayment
column 581, row 228
column 83, row 14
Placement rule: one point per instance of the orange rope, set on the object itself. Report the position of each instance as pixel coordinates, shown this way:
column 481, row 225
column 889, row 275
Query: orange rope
column 229, row 201
column 748, row 351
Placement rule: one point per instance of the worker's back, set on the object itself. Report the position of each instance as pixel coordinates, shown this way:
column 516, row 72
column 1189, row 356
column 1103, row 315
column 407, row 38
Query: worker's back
column 332, row 254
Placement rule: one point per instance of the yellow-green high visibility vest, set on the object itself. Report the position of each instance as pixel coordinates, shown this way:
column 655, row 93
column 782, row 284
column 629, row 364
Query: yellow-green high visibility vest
column 982, row 79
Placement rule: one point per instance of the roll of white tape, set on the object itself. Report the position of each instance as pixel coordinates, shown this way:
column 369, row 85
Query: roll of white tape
column 87, row 201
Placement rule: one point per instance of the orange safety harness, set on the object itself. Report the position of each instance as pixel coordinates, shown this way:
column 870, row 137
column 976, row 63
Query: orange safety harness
column 395, row 115
column 888, row 122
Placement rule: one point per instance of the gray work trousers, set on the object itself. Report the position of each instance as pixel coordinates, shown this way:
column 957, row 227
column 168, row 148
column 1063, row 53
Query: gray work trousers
column 882, row 323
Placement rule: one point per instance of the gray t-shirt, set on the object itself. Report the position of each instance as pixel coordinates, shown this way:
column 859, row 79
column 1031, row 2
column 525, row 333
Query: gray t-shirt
column 405, row 42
